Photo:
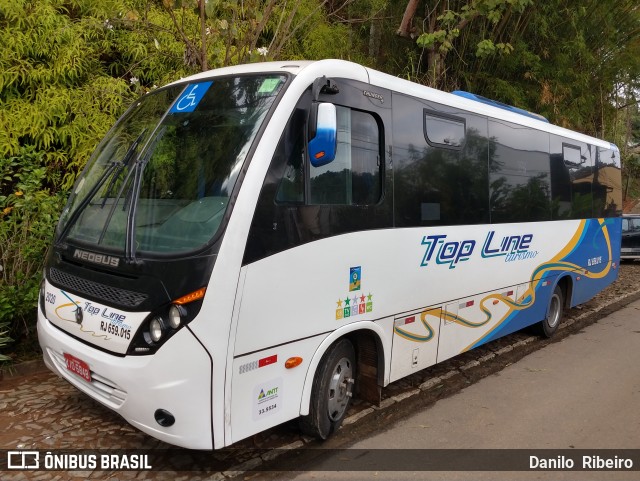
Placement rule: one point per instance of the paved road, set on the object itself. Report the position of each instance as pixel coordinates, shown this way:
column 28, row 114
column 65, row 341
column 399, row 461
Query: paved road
column 583, row 392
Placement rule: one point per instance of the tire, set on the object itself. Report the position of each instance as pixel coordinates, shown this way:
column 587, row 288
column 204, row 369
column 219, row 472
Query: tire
column 331, row 392
column 549, row 325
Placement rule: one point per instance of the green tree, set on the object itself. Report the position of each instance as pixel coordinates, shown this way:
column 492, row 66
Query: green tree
column 468, row 31
column 571, row 61
column 67, row 71
column 69, row 68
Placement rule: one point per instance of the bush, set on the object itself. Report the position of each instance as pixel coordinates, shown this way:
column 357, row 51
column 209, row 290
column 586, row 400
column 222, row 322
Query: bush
column 4, row 339
column 29, row 213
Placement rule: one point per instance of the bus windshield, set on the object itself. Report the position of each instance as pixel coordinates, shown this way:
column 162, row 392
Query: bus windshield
column 161, row 180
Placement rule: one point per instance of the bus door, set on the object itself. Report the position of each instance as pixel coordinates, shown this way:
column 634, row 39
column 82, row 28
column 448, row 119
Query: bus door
column 317, row 226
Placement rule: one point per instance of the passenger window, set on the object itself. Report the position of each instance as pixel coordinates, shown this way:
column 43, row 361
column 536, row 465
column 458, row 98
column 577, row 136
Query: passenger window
column 355, row 176
column 291, row 148
column 572, row 156
column 443, row 131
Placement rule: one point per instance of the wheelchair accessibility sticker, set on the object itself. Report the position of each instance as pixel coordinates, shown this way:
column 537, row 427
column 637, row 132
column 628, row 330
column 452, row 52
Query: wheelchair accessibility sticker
column 190, row 98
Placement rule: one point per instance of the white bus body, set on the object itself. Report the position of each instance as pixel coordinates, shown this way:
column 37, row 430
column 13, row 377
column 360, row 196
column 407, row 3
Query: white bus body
column 401, row 252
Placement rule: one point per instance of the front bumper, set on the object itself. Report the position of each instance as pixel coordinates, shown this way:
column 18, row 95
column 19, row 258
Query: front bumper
column 177, row 378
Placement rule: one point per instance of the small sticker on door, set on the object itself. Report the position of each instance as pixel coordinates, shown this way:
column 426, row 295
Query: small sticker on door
column 267, row 399
column 355, row 277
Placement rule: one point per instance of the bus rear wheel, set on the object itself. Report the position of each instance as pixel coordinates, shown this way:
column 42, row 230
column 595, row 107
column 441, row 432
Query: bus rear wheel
column 331, row 392
column 549, row 325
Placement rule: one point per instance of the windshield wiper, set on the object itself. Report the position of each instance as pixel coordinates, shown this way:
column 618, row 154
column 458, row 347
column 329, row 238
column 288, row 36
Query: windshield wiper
column 94, row 190
column 132, row 188
column 121, row 165
column 130, row 246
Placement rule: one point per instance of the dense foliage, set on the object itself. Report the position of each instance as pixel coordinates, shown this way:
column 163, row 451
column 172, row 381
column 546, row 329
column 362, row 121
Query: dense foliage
column 69, row 68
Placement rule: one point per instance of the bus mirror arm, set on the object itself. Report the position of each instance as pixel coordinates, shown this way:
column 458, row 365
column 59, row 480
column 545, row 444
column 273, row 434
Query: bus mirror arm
column 323, row 85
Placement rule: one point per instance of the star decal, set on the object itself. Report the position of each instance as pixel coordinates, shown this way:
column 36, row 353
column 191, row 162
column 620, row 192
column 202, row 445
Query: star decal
column 339, row 302
column 346, row 301
column 362, row 298
column 369, row 297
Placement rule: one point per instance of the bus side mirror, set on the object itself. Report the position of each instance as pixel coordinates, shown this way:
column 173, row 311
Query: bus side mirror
column 323, row 128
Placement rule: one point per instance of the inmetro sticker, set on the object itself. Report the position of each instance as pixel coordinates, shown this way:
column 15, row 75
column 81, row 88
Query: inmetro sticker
column 267, row 399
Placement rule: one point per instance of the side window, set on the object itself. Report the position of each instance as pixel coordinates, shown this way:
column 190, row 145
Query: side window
column 355, row 176
column 520, row 184
column 291, row 148
column 607, row 190
column 443, row 131
column 571, row 156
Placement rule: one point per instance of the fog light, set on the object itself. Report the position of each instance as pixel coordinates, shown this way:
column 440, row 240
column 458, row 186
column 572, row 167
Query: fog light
column 175, row 316
column 164, row 418
column 155, row 329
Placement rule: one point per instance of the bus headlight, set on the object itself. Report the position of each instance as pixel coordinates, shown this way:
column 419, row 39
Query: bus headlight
column 165, row 322
column 155, row 329
column 175, row 316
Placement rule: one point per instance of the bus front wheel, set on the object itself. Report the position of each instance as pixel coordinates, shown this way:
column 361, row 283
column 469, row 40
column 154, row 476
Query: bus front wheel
column 550, row 324
column 331, row 392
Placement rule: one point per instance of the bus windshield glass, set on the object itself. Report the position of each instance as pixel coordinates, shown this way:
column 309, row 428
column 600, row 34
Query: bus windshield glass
column 161, row 180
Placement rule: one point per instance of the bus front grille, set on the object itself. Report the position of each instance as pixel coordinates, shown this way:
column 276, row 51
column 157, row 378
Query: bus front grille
column 110, row 294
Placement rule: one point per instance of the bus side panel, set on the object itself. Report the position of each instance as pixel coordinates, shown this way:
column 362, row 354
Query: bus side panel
column 264, row 392
column 467, row 319
column 590, row 259
column 415, row 341
column 596, row 254
column 555, row 249
column 320, row 286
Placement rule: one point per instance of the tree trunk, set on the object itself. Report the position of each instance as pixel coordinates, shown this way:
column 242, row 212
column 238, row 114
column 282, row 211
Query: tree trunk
column 405, row 29
column 203, row 35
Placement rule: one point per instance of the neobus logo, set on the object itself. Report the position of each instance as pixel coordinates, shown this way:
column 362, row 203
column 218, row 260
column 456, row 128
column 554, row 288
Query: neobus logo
column 96, row 258
column 513, row 248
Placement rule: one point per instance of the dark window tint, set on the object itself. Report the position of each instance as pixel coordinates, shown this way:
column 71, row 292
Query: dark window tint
column 607, row 189
column 291, row 149
column 437, row 184
column 572, row 156
column 443, row 131
column 348, row 198
column 571, row 179
column 519, row 173
column 354, row 177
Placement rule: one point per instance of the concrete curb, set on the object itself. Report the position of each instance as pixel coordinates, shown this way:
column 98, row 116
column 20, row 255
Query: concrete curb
column 22, row 369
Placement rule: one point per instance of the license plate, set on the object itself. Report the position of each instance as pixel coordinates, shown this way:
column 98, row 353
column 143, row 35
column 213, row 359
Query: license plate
column 78, row 367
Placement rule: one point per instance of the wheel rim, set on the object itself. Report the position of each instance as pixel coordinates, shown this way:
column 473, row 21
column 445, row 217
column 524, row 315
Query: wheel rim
column 555, row 309
column 340, row 387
